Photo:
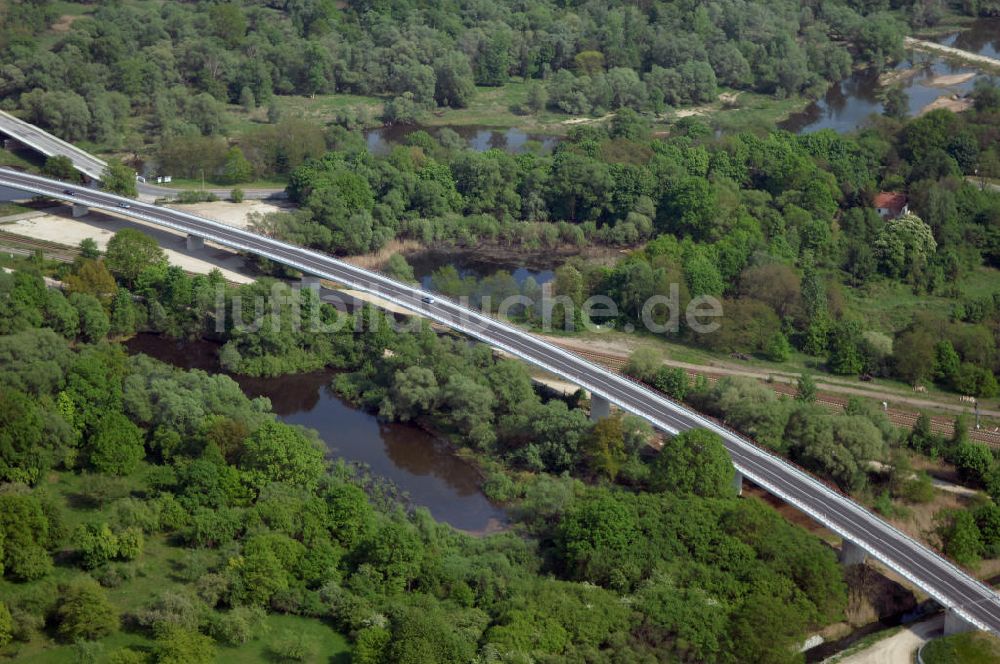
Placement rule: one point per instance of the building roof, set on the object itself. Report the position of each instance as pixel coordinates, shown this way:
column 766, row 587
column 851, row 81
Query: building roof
column 890, row 200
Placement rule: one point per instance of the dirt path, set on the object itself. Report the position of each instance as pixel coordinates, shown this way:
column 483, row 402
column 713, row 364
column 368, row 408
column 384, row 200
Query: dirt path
column 832, row 395
column 777, row 377
column 899, row 648
column 922, row 45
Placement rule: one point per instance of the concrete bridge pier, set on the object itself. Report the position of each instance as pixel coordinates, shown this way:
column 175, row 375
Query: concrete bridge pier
column 599, row 407
column 308, row 281
column 852, row 554
column 80, row 210
column 195, row 243
column 738, row 482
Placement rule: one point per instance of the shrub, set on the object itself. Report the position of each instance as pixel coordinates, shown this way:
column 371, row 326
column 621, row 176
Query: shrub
column 294, row 647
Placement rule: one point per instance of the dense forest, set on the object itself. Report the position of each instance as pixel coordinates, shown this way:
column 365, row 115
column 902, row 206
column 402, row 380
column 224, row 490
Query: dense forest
column 176, row 64
column 780, row 228
column 152, row 514
column 114, row 466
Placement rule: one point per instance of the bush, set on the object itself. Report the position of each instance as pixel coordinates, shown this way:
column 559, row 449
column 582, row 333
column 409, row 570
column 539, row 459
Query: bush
column 918, row 490
column 239, row 625
column 84, row 613
column 6, row 625
column 195, row 196
column 236, row 195
column 294, row 647
column 177, row 645
column 973, row 461
column 127, row 656
column 500, row 488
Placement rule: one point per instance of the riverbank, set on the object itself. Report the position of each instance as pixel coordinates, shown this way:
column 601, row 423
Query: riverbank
column 951, row 52
column 421, row 464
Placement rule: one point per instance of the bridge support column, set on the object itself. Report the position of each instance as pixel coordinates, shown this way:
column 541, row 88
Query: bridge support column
column 956, row 624
column 738, row 482
column 80, row 210
column 852, row 554
column 308, row 281
column 599, row 407
column 195, row 243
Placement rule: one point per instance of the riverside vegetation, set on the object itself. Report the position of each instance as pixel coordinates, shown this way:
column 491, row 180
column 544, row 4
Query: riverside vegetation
column 122, row 475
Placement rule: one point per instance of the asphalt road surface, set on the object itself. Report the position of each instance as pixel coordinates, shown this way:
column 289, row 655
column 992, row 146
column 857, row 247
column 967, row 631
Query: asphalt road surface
column 949, row 585
column 49, row 145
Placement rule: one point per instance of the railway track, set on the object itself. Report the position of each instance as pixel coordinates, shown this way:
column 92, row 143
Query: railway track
column 901, row 418
column 11, row 243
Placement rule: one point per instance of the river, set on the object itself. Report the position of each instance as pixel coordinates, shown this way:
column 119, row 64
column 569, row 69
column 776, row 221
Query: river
column 422, row 466
column 381, row 140
column 479, row 265
column 849, row 104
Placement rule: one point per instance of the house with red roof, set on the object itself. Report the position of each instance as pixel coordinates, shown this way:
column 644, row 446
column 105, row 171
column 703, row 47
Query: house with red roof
column 891, row 204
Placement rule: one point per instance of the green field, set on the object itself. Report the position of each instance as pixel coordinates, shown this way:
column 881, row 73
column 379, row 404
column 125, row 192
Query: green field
column 968, row 648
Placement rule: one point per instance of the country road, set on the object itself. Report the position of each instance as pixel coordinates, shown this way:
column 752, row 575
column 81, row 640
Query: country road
column 828, row 392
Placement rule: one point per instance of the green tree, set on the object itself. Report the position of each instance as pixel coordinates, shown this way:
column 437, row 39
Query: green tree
column 370, row 645
column 6, row 626
column 125, row 314
column 922, row 437
column 454, row 85
column 905, row 244
column 89, row 249
column 845, row 349
column 278, row 452
column 946, row 362
column 538, row 96
column 119, row 179
column 493, row 63
column 806, row 388
column 398, row 268
column 131, row 252
column 604, row 448
column 962, row 540
column 672, row 381
column 61, row 316
column 236, row 168
column 896, row 103
column 84, row 611
column 236, row 195
column 415, row 391
column 913, row 356
column 643, row 363
column 116, row 445
column 92, row 277
column 96, row 544
column 24, row 456
column 176, row 644
column 247, row 100
column 470, row 409
column 975, row 380
column 695, row 462
column 973, row 461
column 24, row 534
column 273, row 112
column 94, row 323
column 60, row 167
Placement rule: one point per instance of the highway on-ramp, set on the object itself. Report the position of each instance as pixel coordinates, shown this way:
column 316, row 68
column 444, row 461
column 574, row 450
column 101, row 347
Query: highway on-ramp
column 949, row 585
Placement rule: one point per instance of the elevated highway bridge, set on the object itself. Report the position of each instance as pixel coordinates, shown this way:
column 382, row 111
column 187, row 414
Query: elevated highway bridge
column 969, row 603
